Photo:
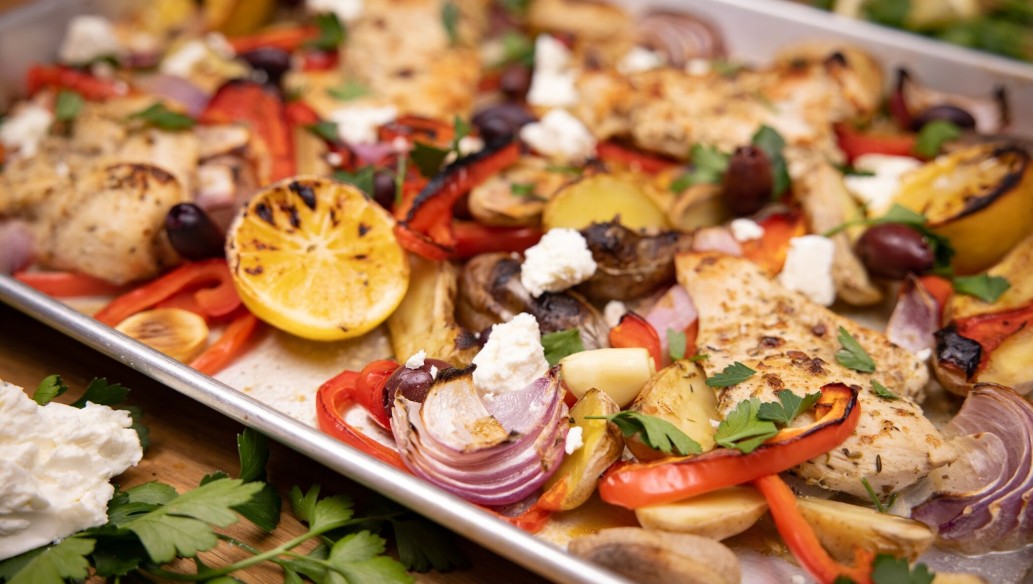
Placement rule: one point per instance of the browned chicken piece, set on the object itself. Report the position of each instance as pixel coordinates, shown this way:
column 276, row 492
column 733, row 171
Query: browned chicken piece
column 630, row 265
column 395, row 50
column 792, row 343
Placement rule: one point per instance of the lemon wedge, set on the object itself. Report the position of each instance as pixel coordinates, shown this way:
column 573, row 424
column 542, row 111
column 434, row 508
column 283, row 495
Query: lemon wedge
column 317, row 259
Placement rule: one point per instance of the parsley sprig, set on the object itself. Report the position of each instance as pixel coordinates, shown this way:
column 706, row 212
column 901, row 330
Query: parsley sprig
column 656, row 433
column 853, row 355
column 429, row 158
column 751, row 423
column 732, row 374
column 788, row 407
column 161, row 117
column 561, row 343
column 881, row 391
column 708, row 166
column 98, row 391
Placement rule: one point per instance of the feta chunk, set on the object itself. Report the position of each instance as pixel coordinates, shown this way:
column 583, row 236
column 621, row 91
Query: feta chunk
column 23, row 131
column 512, row 358
column 574, row 440
column 877, row 191
column 561, row 136
column 344, row 10
column 554, row 81
column 746, row 230
column 639, row 59
column 698, row 67
column 433, row 372
column 358, row 124
column 417, row 360
column 613, row 311
column 808, row 268
column 88, row 38
column 560, row 260
column 185, row 59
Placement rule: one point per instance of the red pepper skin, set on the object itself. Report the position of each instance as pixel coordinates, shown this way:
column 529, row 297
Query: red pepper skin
column 640, row 484
column 537, row 515
column 941, row 289
column 771, row 249
column 212, row 302
column 319, row 60
column 418, row 129
column 635, row 331
column 613, row 152
column 369, row 389
column 67, row 284
column 289, row 38
column 229, row 346
column 337, row 395
column 60, row 77
column 990, row 330
column 474, row 239
column 263, row 110
column 855, row 143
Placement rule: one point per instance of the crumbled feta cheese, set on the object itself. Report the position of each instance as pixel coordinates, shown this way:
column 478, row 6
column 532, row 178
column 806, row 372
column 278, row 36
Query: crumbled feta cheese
column 553, row 82
column 561, row 136
column 358, row 124
column 88, row 38
column 877, row 192
column 613, row 311
column 808, row 268
column 746, row 230
column 512, row 358
column 698, row 67
column 560, row 260
column 433, row 372
column 217, row 42
column 639, row 59
column 575, row 440
column 417, row 360
column 183, row 60
column 550, row 54
column 344, row 10
column 924, row 354
column 23, row 131
column 470, row 144
column 55, row 464
column 334, row 159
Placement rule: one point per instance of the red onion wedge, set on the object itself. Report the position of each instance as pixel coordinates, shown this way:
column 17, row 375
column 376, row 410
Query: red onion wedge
column 674, row 310
column 191, row 97
column 17, row 245
column 913, row 104
column 983, row 501
column 490, row 452
column 718, row 238
column 679, row 37
column 915, row 317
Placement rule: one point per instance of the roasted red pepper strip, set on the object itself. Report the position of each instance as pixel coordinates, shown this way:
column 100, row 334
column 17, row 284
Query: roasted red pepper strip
column 334, row 397
column 990, row 330
column 263, row 110
column 474, row 239
column 855, row 143
column 427, row 228
column 635, row 159
column 229, row 346
column 86, row 85
column 289, row 38
column 635, row 331
column 219, row 301
column 537, row 515
column 67, row 284
column 641, row 484
column 418, row 129
column 769, row 252
column 941, row 289
column 799, row 536
column 369, row 389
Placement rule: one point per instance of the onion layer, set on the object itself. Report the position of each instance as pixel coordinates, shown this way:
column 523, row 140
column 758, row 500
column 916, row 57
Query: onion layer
column 915, row 318
column 679, row 37
column 491, row 453
column 983, row 502
column 674, row 310
column 17, row 245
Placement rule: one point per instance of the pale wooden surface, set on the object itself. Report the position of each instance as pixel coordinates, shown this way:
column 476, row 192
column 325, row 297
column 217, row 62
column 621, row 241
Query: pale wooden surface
column 189, row 440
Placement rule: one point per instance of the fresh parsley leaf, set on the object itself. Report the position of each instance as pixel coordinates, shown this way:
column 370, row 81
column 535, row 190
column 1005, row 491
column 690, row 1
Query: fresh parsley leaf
column 734, row 373
column 450, row 20
column 361, row 179
column 887, row 569
column 303, row 504
column 561, row 343
column 708, row 166
column 320, row 514
column 428, row 159
column 325, row 130
column 771, row 142
column 676, row 343
column 983, row 286
column 162, row 117
column 564, row 169
column 788, row 407
column 742, row 430
column 524, row 190
column 331, row 32
column 889, row 12
column 264, row 507
column 460, row 129
column 400, row 176
column 871, row 494
column 517, row 47
column 934, row 135
column 424, row 545
column 699, row 357
column 100, row 392
column 67, row 105
column 849, row 170
column 66, row 560
column 656, row 433
column 853, row 355
column 881, row 391
column 348, row 91
column 358, row 557
column 51, row 387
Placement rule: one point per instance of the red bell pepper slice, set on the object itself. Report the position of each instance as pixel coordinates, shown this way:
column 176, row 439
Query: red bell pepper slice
column 537, row 515
column 799, row 537
column 633, row 331
column 990, row 330
column 263, row 110
column 60, row 77
column 334, row 397
column 769, row 252
column 855, row 143
column 300, row 113
column 941, row 289
column 229, row 346
column 209, row 280
column 67, row 284
column 369, row 390
column 635, row 159
column 474, row 239
column 287, row 37
column 640, row 484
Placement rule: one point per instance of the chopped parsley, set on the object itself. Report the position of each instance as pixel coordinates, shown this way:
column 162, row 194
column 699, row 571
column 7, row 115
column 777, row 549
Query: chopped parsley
column 656, row 433
column 787, row 408
column 853, row 355
column 325, row 130
column 331, row 32
column 881, row 391
column 734, row 373
column 450, row 20
column 361, row 179
column 561, row 344
column 676, row 344
column 67, row 105
column 771, row 142
column 983, row 286
column 742, row 429
column 348, row 91
column 163, row 118
column 934, row 135
column 708, row 167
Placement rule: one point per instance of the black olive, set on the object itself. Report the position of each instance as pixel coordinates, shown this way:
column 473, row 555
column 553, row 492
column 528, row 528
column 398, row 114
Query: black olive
column 947, row 113
column 272, row 61
column 747, row 183
column 515, row 81
column 959, row 351
column 384, row 188
column 893, row 251
column 192, row 233
column 501, row 122
column 412, row 383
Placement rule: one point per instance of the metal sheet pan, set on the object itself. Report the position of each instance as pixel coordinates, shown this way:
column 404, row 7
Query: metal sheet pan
column 754, row 30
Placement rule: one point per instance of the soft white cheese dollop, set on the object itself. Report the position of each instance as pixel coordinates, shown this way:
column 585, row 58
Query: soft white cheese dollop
column 358, row 124
column 185, row 59
column 55, row 464
column 553, row 83
column 417, row 360
column 512, row 358
column 746, row 230
column 23, row 131
column 344, row 10
column 559, row 261
column 561, row 136
column 808, row 268
column 877, row 191
column 639, row 59
column 575, row 439
column 88, row 38
column 613, row 312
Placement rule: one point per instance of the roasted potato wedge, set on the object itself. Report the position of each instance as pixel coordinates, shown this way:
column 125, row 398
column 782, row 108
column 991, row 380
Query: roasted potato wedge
column 717, row 515
column 842, row 527
column 602, row 197
column 1010, row 364
column 645, row 555
column 602, row 445
column 1014, row 267
column 517, row 195
column 679, row 394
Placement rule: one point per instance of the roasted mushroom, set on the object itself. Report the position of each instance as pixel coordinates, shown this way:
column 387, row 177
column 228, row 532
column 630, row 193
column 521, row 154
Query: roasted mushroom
column 645, row 555
column 630, row 265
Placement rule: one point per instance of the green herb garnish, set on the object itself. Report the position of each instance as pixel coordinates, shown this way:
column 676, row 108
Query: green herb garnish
column 361, row 179
column 853, row 355
column 983, row 286
column 560, row 344
column 708, row 167
column 450, row 20
column 325, row 130
column 742, row 429
column 51, row 387
column 656, row 433
column 734, row 373
column 871, row 494
column 348, row 91
column 67, row 105
column 428, row 159
column 788, row 407
column 771, row 142
column 162, row 117
column 331, row 32
column 676, row 344
column 934, row 135
column 881, row 391
column 887, row 569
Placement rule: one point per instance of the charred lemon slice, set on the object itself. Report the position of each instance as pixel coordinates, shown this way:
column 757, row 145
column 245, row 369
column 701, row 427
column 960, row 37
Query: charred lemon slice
column 981, row 198
column 317, row 259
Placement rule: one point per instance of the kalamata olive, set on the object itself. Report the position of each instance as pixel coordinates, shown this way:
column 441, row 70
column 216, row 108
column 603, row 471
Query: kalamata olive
column 947, row 113
column 273, row 61
column 384, row 188
column 192, row 233
column 412, row 383
column 501, row 122
column 515, row 81
column 893, row 251
column 748, row 181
